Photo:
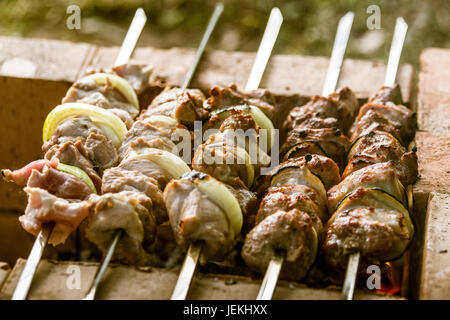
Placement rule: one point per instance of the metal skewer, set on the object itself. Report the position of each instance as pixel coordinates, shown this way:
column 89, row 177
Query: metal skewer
column 112, row 247
column 334, row 68
column 262, row 57
column 23, row 286
column 391, row 74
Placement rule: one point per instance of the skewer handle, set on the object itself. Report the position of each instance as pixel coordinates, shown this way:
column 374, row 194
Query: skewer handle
column 187, row 271
column 211, row 25
column 24, row 284
column 350, row 276
column 271, row 278
column 103, row 266
column 134, row 31
column 338, row 52
column 396, row 50
column 265, row 49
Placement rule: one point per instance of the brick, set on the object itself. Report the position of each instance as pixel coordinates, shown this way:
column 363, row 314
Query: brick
column 436, row 252
column 434, row 91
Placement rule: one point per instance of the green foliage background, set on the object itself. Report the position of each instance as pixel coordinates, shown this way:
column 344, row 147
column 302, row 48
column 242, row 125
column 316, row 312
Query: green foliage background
column 308, row 27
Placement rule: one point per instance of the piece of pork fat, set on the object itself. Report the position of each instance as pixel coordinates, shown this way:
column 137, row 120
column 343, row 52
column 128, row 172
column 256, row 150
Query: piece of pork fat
column 44, row 208
column 291, row 232
column 59, row 183
column 117, row 179
column 184, row 105
column 123, row 211
column 194, row 217
column 221, row 98
column 21, row 176
column 73, row 154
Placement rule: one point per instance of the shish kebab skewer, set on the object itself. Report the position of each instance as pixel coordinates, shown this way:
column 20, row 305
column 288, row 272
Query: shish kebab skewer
column 390, row 78
column 229, row 204
column 342, row 35
column 24, row 283
column 108, row 254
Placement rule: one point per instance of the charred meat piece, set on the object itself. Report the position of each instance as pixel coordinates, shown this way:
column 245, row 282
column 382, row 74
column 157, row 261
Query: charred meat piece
column 288, row 197
column 73, row 154
column 43, row 208
column 114, row 212
column 249, row 206
column 336, row 111
column 387, row 94
column 184, row 105
column 394, row 119
column 291, row 232
column 381, row 176
column 221, row 98
column 370, row 222
column 326, row 142
column 348, row 103
column 116, row 180
column 378, row 146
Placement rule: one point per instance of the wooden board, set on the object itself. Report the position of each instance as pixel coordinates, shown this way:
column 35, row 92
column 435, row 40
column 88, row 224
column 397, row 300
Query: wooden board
column 123, row 282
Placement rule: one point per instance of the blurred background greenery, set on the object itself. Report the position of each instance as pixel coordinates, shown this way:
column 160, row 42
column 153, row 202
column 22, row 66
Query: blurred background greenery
column 308, row 28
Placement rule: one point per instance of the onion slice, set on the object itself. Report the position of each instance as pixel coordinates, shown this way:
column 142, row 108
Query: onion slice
column 219, row 194
column 110, row 124
column 79, row 173
column 169, row 162
column 119, row 83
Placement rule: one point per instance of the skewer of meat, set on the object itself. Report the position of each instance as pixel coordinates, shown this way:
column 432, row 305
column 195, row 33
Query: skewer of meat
column 289, row 221
column 206, row 214
column 77, row 137
column 123, row 219
column 371, row 222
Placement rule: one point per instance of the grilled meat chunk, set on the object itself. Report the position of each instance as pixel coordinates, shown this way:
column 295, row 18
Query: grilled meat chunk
column 100, row 151
column 291, row 232
column 380, row 176
column 249, row 206
column 86, row 90
column 325, row 142
column 122, row 212
column 116, row 180
column 335, row 111
column 288, row 197
column 224, row 162
column 72, row 154
column 387, row 94
column 43, row 208
column 194, row 217
column 58, row 183
column 184, row 105
column 370, row 222
column 378, row 146
column 321, row 166
column 394, row 119
column 221, row 98
column 21, row 176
